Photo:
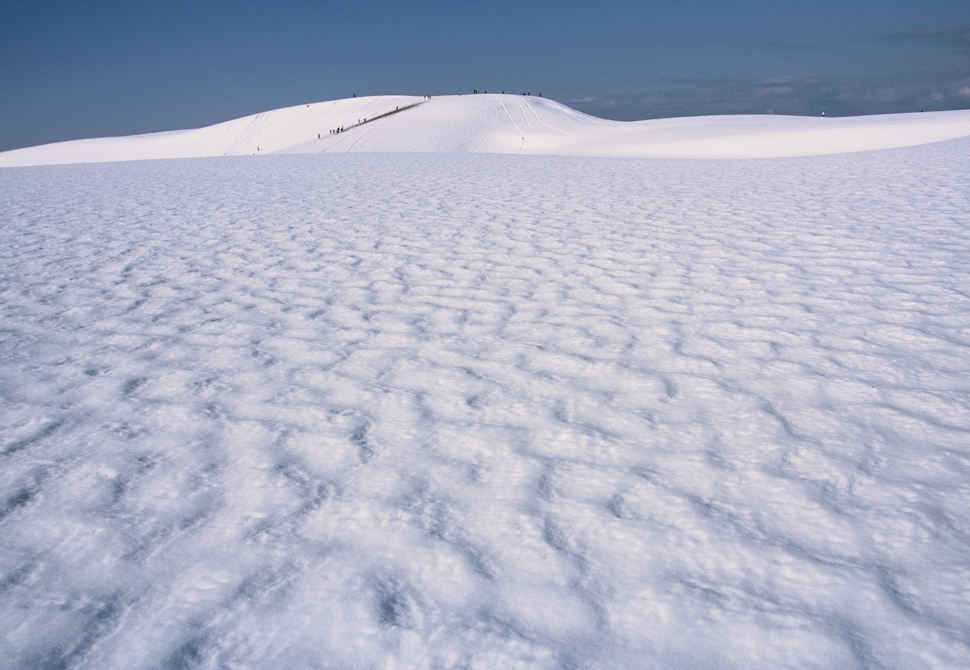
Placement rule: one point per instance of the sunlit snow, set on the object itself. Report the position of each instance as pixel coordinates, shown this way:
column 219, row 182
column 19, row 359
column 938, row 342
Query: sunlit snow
column 454, row 410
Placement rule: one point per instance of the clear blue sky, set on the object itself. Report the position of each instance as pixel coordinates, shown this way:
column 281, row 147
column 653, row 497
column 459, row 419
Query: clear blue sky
column 99, row 67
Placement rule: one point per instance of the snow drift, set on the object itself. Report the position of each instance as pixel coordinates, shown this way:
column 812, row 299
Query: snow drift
column 509, row 124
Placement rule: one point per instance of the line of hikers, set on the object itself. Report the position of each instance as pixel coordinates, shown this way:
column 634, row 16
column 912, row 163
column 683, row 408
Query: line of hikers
column 335, row 131
column 475, row 91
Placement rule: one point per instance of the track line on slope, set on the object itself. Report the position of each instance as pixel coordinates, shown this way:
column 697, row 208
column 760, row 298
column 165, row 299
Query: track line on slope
column 531, row 109
column 308, row 129
column 250, row 134
column 371, row 130
column 363, row 136
column 385, row 115
column 521, row 134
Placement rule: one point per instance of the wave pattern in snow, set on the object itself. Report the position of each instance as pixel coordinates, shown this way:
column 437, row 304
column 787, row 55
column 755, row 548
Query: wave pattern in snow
column 483, row 411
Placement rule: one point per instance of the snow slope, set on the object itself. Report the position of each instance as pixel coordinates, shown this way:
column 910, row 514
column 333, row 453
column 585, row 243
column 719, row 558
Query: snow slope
column 485, row 411
column 505, row 124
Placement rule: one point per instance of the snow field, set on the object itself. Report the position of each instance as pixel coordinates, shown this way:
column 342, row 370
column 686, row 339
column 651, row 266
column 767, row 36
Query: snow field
column 435, row 411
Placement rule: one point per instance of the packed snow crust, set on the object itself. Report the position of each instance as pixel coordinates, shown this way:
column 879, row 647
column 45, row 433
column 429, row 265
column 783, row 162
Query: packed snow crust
column 485, row 411
column 511, row 124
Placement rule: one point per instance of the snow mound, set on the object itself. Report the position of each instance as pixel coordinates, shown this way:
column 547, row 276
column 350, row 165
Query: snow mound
column 505, row 124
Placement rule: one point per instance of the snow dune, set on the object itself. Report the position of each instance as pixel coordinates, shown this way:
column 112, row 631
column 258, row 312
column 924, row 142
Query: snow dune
column 495, row 123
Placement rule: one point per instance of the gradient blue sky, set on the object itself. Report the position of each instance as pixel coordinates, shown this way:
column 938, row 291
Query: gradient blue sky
column 96, row 68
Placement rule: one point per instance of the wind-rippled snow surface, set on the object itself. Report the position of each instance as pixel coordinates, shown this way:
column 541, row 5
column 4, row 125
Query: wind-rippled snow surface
column 399, row 411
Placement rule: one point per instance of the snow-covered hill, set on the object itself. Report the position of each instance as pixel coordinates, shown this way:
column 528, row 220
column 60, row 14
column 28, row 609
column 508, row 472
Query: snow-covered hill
column 512, row 124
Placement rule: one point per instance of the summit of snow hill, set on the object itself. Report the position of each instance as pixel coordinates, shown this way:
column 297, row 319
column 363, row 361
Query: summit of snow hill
column 504, row 124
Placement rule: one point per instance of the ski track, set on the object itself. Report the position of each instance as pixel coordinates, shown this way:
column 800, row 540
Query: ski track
column 514, row 125
column 439, row 411
column 540, row 121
